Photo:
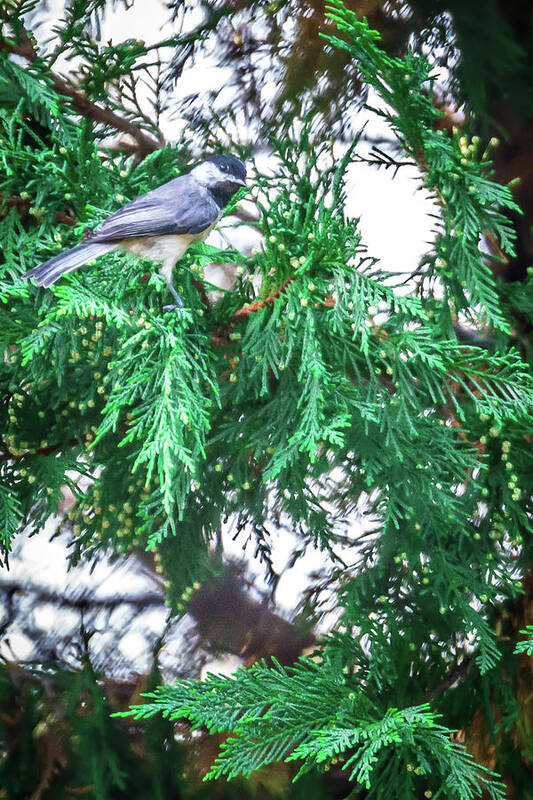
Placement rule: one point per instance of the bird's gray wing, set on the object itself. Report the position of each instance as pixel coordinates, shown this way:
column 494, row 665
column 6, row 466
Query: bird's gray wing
column 178, row 207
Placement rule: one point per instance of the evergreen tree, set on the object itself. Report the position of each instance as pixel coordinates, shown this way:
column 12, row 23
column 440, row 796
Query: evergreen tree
column 320, row 383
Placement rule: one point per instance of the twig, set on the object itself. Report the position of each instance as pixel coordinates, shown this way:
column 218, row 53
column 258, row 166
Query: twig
column 66, row 218
column 460, row 671
column 16, row 201
column 5, row 455
column 201, row 289
column 245, row 312
column 83, row 602
column 222, row 337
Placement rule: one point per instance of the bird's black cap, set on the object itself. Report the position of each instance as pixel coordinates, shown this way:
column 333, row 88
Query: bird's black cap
column 230, row 164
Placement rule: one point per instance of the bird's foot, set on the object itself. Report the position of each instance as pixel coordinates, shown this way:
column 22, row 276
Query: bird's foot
column 178, row 301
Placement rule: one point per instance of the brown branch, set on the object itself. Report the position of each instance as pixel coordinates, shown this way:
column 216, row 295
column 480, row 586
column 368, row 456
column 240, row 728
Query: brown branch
column 246, row 216
column 222, row 337
column 244, row 313
column 16, row 201
column 66, row 218
column 146, row 144
column 461, row 671
column 83, row 105
column 5, row 455
column 198, row 284
column 23, row 205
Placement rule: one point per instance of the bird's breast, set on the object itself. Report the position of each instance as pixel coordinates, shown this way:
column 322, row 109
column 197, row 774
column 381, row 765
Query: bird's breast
column 158, row 248
column 164, row 250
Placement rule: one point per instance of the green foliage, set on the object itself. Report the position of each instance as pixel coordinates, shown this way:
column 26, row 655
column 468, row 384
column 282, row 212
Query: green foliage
column 525, row 646
column 472, row 205
column 10, row 515
column 319, row 385
column 385, row 391
column 316, row 714
column 59, row 727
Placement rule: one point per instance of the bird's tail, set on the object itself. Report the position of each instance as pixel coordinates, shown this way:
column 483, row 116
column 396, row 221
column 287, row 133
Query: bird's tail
column 48, row 272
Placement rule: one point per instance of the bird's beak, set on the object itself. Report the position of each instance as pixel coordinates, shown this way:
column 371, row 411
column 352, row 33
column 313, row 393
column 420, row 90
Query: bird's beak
column 229, row 185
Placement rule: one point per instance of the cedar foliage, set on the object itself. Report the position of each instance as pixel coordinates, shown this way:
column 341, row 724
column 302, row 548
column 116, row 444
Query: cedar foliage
column 317, row 363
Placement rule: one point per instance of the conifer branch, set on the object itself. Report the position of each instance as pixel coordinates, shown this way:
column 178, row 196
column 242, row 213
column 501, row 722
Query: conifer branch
column 308, row 420
column 145, row 144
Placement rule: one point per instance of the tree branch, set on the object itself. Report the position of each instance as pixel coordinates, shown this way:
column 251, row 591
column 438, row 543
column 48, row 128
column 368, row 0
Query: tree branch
column 244, row 312
column 83, row 105
column 460, row 671
column 83, row 601
column 7, row 455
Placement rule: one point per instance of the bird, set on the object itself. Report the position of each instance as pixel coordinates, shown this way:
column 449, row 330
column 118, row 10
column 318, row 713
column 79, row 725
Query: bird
column 159, row 225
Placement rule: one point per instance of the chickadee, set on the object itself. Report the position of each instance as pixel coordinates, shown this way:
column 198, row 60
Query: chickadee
column 159, row 225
